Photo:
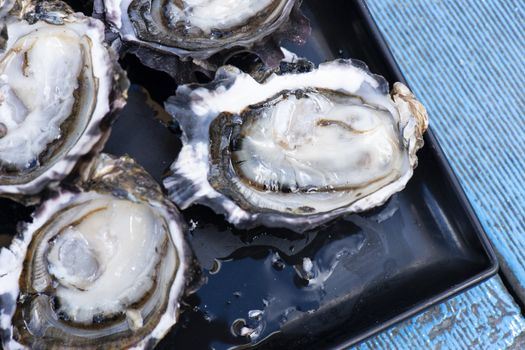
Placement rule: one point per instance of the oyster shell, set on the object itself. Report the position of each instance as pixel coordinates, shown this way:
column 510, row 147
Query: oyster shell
column 296, row 149
column 101, row 266
column 60, row 86
column 200, row 29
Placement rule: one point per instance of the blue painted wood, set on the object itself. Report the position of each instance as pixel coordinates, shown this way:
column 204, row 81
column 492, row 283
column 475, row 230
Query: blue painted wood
column 466, row 61
column 484, row 317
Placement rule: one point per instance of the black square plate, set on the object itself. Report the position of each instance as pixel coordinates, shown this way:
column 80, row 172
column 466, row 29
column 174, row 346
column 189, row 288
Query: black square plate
column 370, row 270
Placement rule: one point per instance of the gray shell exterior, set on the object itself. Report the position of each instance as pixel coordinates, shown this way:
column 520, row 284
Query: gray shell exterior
column 98, row 127
column 123, row 179
column 193, row 176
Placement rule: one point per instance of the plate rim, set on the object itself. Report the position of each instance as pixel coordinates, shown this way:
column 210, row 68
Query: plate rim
column 431, row 141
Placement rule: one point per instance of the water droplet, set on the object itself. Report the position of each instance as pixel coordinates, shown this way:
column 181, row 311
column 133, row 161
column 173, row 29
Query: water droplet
column 216, row 267
column 237, row 326
column 277, row 262
column 207, row 317
column 306, row 270
column 255, row 314
column 247, row 331
column 193, row 224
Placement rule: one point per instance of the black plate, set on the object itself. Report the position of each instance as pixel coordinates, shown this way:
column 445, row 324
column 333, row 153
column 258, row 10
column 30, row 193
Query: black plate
column 372, row 270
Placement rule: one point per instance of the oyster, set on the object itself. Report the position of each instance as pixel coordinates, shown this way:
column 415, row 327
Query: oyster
column 101, row 266
column 199, row 29
column 60, row 86
column 297, row 148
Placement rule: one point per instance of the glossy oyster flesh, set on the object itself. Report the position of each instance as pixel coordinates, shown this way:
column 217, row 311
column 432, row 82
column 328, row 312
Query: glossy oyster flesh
column 59, row 88
column 102, row 266
column 297, row 149
column 200, row 28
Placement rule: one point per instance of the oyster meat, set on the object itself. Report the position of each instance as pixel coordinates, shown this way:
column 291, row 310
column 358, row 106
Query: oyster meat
column 59, row 88
column 103, row 265
column 297, row 148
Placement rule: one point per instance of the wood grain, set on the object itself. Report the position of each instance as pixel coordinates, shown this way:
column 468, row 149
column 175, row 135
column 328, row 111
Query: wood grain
column 465, row 61
column 484, row 317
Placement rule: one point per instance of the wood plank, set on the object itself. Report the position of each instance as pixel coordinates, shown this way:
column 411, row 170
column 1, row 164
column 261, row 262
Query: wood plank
column 485, row 317
column 464, row 59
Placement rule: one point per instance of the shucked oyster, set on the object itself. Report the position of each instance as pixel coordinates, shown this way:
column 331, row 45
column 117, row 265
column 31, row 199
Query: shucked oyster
column 100, row 267
column 298, row 148
column 201, row 28
column 59, row 88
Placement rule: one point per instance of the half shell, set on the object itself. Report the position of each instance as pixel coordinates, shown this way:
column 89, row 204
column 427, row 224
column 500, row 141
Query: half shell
column 60, row 86
column 103, row 265
column 208, row 32
column 296, row 149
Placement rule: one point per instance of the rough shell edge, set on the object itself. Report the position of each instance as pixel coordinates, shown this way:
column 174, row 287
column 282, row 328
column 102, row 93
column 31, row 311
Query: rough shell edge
column 185, row 191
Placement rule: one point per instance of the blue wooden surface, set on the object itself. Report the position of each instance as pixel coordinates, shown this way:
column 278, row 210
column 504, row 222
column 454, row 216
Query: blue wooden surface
column 466, row 61
column 484, row 317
